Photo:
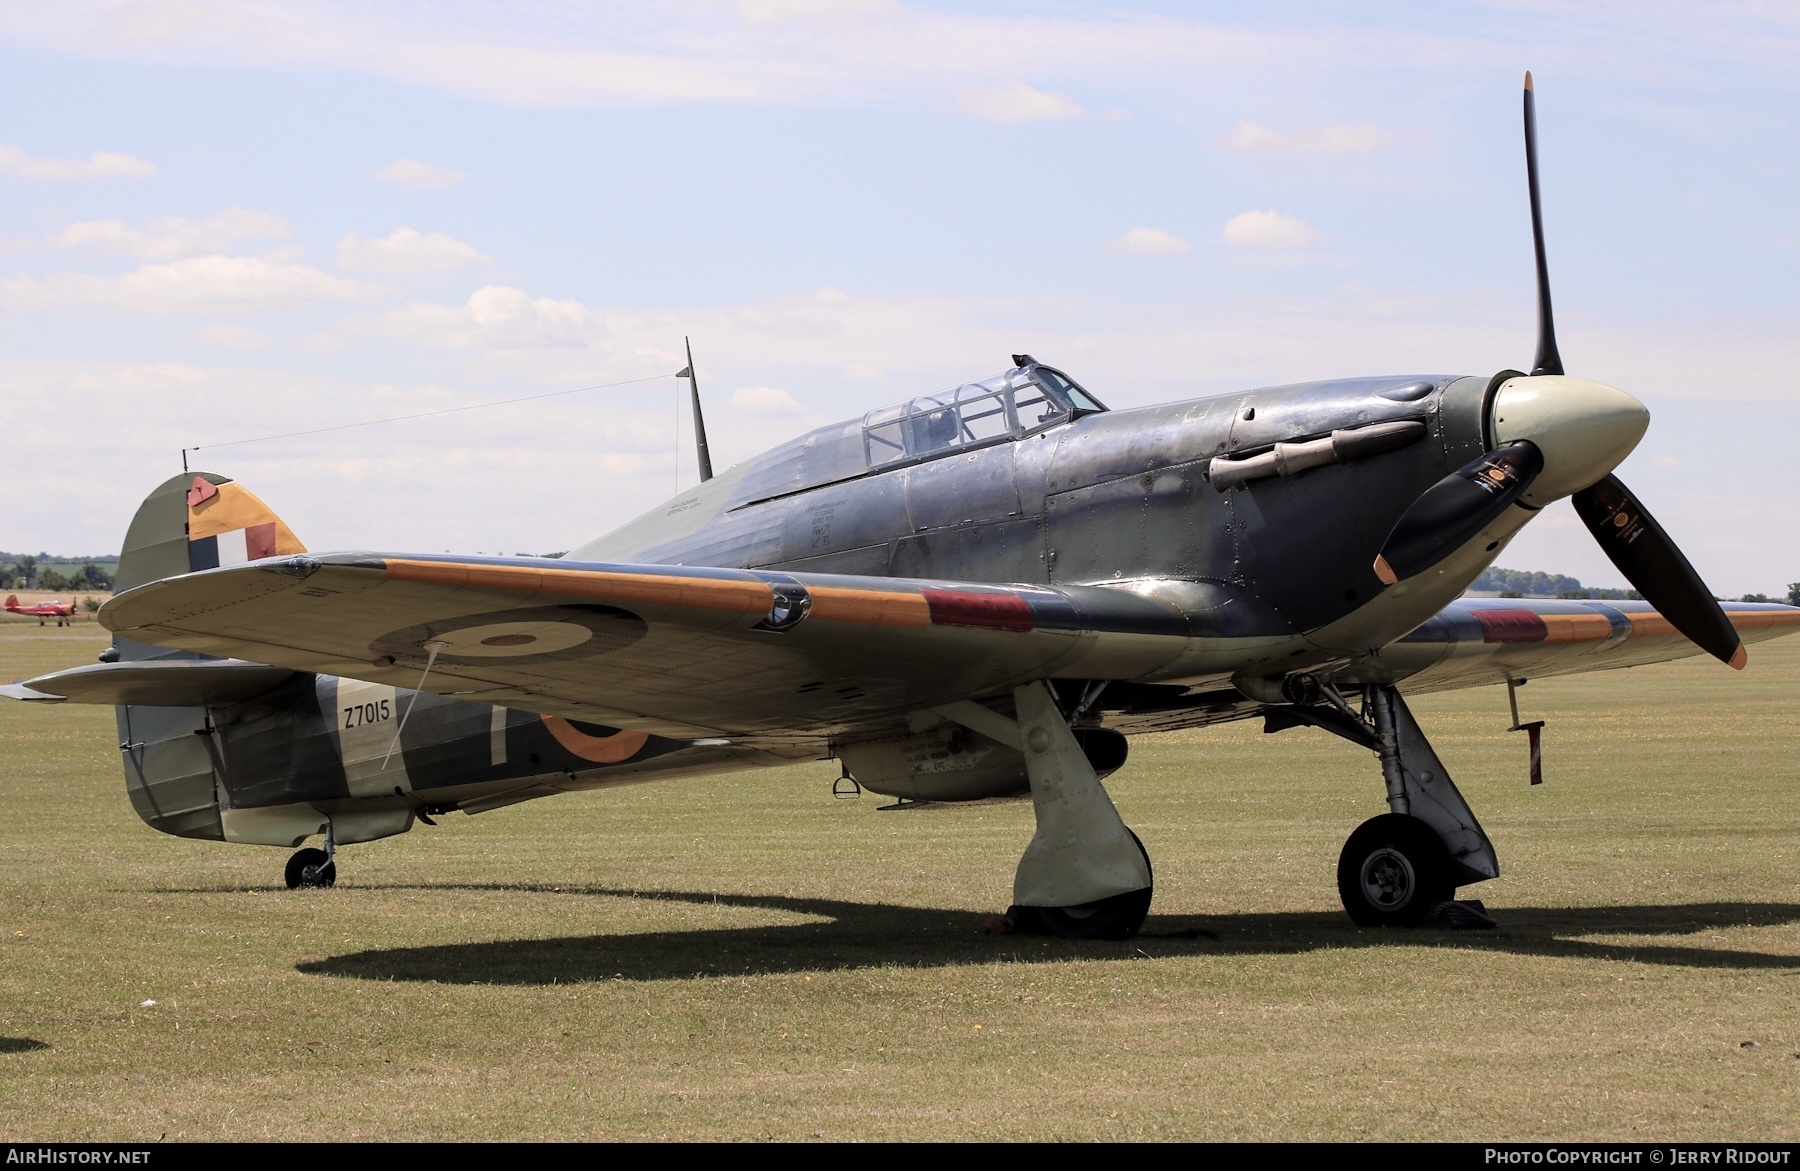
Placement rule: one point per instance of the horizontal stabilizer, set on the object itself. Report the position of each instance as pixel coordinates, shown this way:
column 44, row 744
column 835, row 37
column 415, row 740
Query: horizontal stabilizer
column 156, row 683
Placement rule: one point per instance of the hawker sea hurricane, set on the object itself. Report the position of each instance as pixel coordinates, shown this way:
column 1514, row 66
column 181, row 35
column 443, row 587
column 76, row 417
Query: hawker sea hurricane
column 975, row 594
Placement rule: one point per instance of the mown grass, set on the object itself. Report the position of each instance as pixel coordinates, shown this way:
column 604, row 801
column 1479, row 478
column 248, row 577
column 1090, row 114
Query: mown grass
column 745, row 957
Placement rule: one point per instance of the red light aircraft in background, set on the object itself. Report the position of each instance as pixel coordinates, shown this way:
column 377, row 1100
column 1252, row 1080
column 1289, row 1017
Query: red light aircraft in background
column 63, row 612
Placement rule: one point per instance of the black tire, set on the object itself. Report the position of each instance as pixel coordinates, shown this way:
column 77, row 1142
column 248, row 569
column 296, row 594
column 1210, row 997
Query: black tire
column 1117, row 917
column 1393, row 872
column 1114, row 917
column 310, row 868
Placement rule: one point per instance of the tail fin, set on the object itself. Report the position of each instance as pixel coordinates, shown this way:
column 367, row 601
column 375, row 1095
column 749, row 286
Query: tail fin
column 189, row 523
column 12, row 602
column 200, row 522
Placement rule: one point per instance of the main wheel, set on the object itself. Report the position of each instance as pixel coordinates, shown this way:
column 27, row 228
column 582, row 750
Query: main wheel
column 1113, row 917
column 1117, row 917
column 310, row 868
column 1393, row 872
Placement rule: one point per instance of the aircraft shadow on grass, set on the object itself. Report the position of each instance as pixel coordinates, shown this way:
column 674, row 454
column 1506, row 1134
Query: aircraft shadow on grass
column 850, row 935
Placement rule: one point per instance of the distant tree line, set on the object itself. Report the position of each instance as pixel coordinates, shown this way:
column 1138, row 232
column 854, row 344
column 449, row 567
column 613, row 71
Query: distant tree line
column 1600, row 594
column 1792, row 599
column 22, row 572
column 1521, row 583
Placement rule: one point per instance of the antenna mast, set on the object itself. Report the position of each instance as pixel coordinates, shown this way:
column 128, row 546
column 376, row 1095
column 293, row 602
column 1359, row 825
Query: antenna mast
column 705, row 458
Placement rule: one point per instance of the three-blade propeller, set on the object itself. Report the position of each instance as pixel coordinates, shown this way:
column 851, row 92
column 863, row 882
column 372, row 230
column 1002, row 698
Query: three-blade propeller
column 1650, row 561
column 1459, row 506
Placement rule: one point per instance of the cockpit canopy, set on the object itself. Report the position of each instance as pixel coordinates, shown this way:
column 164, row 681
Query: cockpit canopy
column 1022, row 401
column 1007, row 406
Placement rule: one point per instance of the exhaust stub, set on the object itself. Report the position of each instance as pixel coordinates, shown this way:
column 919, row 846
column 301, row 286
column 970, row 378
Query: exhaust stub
column 1290, row 459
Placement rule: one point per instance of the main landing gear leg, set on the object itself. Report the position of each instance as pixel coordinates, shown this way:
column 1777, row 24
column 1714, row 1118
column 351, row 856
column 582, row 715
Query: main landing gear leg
column 1396, row 869
column 313, row 867
column 1084, row 875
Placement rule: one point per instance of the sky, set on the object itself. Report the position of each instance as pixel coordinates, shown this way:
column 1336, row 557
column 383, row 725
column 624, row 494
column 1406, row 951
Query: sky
column 228, row 219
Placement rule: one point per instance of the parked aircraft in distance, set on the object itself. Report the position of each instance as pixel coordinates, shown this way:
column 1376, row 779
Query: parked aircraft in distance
column 975, row 594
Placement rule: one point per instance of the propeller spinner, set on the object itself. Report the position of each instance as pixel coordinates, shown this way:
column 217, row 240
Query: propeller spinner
column 1561, row 436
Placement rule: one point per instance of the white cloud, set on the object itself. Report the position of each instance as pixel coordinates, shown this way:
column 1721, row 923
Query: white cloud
column 1016, row 102
column 832, row 52
column 1151, row 242
column 101, row 164
column 407, row 250
column 609, row 451
column 1331, row 138
column 765, row 400
column 1269, row 229
column 636, row 52
column 782, row 11
column 231, row 337
column 197, row 285
column 173, row 237
column 494, row 317
column 420, row 176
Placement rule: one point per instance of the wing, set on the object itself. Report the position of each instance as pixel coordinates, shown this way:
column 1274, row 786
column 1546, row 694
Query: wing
column 1473, row 642
column 1477, row 641
column 677, row 651
column 691, row 652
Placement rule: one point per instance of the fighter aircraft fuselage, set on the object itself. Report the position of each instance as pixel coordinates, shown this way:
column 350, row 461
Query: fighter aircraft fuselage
column 1118, row 498
column 971, row 594
column 1122, row 497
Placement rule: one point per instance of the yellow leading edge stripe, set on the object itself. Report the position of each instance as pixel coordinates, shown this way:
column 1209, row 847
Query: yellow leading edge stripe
column 1654, row 625
column 830, row 603
column 875, row 607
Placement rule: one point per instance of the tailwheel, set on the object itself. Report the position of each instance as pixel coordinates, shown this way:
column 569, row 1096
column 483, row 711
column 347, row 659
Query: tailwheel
column 1114, row 917
column 311, row 868
column 1394, row 872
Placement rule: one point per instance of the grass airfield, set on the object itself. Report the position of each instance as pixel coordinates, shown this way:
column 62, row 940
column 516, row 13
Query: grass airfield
column 745, row 957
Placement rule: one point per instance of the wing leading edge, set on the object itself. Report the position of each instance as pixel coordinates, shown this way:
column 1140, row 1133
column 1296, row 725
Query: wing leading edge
column 692, row 652
column 1478, row 641
column 674, row 650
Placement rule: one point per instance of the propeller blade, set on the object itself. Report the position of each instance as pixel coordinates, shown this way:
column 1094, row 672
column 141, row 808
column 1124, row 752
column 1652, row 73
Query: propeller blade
column 1456, row 508
column 1651, row 562
column 1549, row 361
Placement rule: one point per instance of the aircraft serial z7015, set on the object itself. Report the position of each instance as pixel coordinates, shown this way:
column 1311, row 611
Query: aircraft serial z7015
column 971, row 595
